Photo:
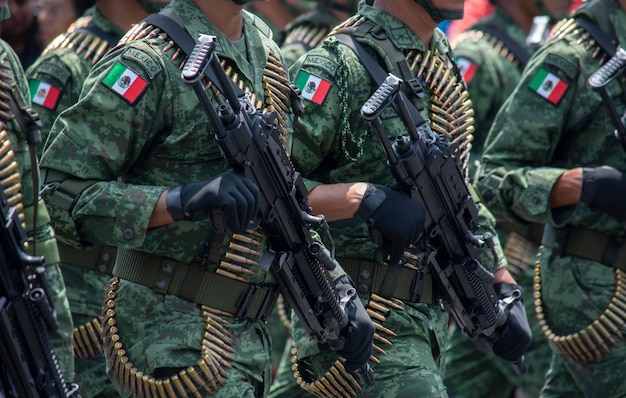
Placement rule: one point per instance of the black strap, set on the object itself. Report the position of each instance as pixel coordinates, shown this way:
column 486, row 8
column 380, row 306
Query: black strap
column 600, row 36
column 378, row 74
column 376, row 71
column 98, row 32
column 185, row 42
column 518, row 51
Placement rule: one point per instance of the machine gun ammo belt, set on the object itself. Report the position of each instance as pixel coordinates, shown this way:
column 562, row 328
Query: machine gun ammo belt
column 414, row 285
column 193, row 283
column 585, row 244
column 98, row 258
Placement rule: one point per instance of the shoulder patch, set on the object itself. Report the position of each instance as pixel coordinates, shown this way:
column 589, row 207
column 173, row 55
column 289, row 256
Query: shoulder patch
column 44, row 94
column 467, row 67
column 313, row 88
column 548, row 86
column 568, row 68
column 57, row 72
column 125, row 82
column 319, row 61
column 150, row 65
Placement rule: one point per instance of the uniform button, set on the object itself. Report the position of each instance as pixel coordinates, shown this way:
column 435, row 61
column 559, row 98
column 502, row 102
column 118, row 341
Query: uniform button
column 161, row 285
column 166, row 268
column 535, row 198
column 364, row 275
column 128, row 234
column 106, row 257
column 363, row 289
column 102, row 268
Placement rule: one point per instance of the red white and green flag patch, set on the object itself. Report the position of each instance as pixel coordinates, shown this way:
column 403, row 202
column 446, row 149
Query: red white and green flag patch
column 548, row 85
column 125, row 82
column 313, row 88
column 468, row 69
column 44, row 94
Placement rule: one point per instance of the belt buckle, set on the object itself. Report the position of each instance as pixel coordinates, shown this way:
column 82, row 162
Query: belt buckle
column 416, row 286
column 250, row 298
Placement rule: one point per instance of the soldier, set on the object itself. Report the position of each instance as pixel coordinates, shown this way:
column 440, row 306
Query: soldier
column 350, row 184
column 61, row 72
column 308, row 30
column 552, row 157
column 134, row 163
column 491, row 56
column 17, row 181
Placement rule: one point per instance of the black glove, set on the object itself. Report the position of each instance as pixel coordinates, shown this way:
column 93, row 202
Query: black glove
column 228, row 198
column 515, row 336
column 604, row 189
column 398, row 218
column 356, row 341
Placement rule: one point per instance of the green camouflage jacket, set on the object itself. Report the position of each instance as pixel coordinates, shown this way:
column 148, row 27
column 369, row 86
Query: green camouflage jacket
column 56, row 78
column 334, row 144
column 553, row 122
column 123, row 148
column 490, row 70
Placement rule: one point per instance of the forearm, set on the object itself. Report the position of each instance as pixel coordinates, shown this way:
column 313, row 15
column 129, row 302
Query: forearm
column 567, row 189
column 337, row 201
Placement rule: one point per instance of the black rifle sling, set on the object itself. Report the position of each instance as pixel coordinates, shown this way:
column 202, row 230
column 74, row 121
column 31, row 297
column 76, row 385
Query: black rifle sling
column 98, row 32
column 185, row 42
column 378, row 74
column 518, row 51
column 600, row 36
column 605, row 42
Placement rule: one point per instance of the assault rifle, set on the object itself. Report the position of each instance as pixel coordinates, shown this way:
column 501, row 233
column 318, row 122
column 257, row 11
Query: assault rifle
column 426, row 168
column 28, row 365
column 251, row 142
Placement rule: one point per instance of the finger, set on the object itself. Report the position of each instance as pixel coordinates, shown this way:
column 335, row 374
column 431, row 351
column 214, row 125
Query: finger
column 231, row 210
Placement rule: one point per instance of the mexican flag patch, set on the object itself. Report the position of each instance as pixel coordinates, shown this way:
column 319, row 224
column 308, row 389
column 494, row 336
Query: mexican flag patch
column 125, row 82
column 548, row 85
column 313, row 88
column 468, row 69
column 44, row 94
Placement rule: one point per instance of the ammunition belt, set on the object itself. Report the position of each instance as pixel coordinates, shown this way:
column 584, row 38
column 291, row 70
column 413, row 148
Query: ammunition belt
column 583, row 243
column 596, row 340
column 520, row 253
column 97, row 258
column 415, row 286
column 87, row 338
column 207, row 374
column 193, row 283
column 337, row 382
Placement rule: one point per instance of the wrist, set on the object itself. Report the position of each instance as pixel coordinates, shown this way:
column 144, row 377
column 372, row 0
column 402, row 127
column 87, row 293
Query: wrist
column 174, row 205
column 372, row 198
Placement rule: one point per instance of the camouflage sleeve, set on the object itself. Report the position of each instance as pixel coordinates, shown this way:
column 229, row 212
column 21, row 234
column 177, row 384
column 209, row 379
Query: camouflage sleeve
column 95, row 141
column 483, row 77
column 55, row 82
column 328, row 131
column 516, row 179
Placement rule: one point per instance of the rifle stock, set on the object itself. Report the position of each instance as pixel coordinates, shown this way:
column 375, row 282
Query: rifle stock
column 251, row 143
column 425, row 167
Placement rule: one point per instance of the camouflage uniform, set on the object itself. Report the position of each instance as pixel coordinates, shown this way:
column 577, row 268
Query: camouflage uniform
column 491, row 71
column 41, row 241
column 64, row 66
column 336, row 145
column 114, row 155
column 553, row 122
column 309, row 30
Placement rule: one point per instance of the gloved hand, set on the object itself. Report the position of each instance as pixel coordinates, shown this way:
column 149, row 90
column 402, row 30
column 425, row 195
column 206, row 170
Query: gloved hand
column 228, row 198
column 398, row 218
column 604, row 189
column 515, row 335
column 356, row 340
